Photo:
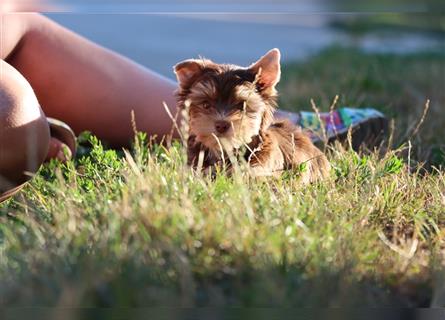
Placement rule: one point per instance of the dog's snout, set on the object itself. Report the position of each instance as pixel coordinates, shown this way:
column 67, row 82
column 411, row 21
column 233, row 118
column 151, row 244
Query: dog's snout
column 222, row 126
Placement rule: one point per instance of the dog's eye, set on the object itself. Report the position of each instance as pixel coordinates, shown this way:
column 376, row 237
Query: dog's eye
column 206, row 105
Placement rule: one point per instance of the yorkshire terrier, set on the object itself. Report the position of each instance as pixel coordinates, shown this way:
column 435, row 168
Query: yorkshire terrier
column 231, row 110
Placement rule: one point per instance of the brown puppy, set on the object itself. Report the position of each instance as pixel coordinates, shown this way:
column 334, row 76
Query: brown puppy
column 231, row 108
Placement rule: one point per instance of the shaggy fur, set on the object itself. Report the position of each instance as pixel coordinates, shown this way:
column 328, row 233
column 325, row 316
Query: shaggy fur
column 231, row 108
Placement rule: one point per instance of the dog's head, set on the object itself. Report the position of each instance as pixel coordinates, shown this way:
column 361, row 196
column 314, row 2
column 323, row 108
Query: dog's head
column 228, row 104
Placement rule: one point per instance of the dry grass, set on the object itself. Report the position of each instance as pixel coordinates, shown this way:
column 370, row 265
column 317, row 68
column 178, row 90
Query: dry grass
column 145, row 230
column 141, row 229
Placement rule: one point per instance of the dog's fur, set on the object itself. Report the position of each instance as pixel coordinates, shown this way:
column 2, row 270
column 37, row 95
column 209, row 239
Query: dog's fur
column 244, row 98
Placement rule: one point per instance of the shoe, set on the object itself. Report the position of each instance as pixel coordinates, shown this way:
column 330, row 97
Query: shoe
column 60, row 131
column 9, row 193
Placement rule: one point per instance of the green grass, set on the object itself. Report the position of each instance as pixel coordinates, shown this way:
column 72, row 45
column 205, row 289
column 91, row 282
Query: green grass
column 432, row 22
column 398, row 85
column 114, row 229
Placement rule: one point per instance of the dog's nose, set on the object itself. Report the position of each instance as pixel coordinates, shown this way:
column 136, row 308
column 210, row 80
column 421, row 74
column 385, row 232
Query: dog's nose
column 222, row 126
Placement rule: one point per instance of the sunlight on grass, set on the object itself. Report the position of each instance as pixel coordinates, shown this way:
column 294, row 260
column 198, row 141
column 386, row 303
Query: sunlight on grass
column 139, row 228
column 143, row 229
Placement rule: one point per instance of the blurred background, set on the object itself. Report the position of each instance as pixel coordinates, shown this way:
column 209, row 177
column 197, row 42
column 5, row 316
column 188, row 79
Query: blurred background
column 158, row 34
column 384, row 54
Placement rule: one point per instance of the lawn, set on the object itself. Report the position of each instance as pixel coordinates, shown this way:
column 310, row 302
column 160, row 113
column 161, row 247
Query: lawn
column 139, row 228
column 398, row 85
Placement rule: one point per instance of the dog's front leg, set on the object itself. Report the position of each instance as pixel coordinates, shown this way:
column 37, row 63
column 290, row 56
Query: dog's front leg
column 197, row 152
column 267, row 159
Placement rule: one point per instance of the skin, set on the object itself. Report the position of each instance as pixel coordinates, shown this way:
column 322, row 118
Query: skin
column 72, row 79
column 86, row 85
column 24, row 132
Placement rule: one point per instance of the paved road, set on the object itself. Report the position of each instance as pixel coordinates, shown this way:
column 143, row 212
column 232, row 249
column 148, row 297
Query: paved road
column 160, row 41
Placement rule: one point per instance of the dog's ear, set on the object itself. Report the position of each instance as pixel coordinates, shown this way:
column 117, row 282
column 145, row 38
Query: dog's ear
column 188, row 70
column 268, row 67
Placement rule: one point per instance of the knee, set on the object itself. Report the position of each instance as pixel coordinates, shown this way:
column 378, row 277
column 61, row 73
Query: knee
column 24, row 132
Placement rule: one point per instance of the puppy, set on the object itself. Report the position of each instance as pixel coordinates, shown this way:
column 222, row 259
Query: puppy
column 231, row 108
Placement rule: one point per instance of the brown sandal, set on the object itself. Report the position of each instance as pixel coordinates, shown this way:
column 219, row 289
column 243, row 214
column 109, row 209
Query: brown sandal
column 9, row 193
column 61, row 131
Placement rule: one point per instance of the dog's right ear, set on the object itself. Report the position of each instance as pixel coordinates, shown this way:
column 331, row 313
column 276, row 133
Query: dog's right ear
column 188, row 70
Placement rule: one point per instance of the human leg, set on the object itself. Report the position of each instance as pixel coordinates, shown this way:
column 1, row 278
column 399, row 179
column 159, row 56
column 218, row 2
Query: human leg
column 24, row 132
column 85, row 85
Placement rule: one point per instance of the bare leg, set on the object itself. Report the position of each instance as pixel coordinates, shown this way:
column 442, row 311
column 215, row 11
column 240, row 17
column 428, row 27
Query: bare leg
column 75, row 80
column 83, row 84
column 24, row 132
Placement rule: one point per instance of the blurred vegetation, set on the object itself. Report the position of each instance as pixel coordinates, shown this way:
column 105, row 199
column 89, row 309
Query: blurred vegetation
column 391, row 22
column 397, row 85
column 425, row 6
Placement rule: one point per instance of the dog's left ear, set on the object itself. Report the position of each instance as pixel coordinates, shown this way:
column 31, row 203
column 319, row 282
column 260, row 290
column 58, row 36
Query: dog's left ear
column 269, row 68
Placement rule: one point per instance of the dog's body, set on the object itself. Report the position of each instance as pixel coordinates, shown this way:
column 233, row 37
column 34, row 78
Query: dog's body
column 231, row 109
column 280, row 147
